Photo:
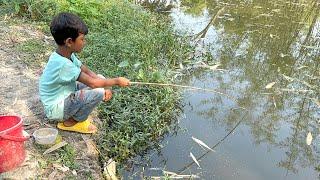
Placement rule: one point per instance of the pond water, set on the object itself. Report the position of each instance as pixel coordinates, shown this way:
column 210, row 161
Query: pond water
column 269, row 74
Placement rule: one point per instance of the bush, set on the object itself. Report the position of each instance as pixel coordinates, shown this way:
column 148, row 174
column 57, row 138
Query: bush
column 33, row 9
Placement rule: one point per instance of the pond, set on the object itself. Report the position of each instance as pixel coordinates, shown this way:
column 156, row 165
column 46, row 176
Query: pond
column 265, row 62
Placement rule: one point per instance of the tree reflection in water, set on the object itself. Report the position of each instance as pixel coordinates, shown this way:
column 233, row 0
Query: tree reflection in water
column 266, row 41
column 261, row 42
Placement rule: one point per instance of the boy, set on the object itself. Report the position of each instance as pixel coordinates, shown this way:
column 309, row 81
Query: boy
column 65, row 80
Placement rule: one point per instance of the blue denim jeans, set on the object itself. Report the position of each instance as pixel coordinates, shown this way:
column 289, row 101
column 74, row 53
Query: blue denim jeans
column 80, row 104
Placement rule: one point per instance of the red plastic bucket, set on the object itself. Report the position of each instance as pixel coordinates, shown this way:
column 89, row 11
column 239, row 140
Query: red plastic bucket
column 12, row 152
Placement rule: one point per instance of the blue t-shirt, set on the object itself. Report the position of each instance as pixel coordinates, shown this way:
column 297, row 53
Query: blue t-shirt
column 57, row 82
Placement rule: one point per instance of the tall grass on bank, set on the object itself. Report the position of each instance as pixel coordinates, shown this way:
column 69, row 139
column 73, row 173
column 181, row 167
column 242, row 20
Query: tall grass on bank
column 123, row 40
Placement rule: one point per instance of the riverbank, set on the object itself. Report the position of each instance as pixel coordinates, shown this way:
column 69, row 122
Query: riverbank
column 124, row 40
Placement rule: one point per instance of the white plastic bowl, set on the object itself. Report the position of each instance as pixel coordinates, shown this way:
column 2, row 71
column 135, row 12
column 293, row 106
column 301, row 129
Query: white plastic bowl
column 45, row 135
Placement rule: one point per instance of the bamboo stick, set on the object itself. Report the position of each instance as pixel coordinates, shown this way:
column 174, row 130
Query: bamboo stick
column 183, row 86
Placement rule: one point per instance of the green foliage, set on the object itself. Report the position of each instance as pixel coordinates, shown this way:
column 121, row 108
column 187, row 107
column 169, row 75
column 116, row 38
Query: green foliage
column 139, row 45
column 125, row 40
column 67, row 156
column 89, row 10
column 34, row 9
column 144, row 115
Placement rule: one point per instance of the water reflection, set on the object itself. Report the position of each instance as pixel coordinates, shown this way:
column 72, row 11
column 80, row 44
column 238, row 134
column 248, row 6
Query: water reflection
column 162, row 6
column 256, row 42
column 270, row 41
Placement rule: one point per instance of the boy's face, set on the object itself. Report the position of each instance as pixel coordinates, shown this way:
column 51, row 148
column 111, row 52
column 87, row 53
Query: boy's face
column 79, row 43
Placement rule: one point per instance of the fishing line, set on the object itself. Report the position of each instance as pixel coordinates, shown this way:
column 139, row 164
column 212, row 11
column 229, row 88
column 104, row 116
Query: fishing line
column 213, row 147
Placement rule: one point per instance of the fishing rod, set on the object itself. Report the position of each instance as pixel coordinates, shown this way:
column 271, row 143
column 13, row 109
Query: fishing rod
column 183, row 86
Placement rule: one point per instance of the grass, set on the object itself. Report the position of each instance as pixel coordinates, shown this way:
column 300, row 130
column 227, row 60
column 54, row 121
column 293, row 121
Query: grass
column 64, row 156
column 34, row 52
column 123, row 40
column 67, row 156
column 139, row 46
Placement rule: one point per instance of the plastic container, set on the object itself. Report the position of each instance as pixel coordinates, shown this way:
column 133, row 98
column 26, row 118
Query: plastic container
column 45, row 136
column 12, row 152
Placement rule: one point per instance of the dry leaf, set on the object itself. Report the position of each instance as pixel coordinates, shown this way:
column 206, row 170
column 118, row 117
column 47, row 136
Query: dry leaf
column 169, row 172
column 194, row 159
column 309, row 138
column 109, row 170
column 156, row 177
column 181, row 66
column 296, row 90
column 92, row 148
column 301, row 67
column 65, row 168
column 74, row 172
column 274, row 102
column 53, row 174
column 25, row 134
column 268, row 86
column 214, row 67
column 155, row 169
column 316, row 101
column 55, row 147
column 288, row 78
column 201, row 143
column 182, row 176
column 62, row 168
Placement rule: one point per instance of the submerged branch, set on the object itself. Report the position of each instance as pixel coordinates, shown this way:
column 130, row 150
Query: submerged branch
column 203, row 33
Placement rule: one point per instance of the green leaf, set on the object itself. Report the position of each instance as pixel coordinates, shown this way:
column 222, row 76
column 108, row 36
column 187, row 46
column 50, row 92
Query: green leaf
column 156, row 76
column 136, row 65
column 140, row 74
column 124, row 64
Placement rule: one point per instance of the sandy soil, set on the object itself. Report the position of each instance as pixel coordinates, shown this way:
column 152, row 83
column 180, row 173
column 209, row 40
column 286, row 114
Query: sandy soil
column 19, row 95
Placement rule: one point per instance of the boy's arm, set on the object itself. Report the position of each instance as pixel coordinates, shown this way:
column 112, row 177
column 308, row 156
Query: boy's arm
column 86, row 70
column 102, row 82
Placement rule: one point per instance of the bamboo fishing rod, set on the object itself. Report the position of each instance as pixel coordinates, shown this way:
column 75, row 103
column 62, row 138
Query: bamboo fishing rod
column 183, row 86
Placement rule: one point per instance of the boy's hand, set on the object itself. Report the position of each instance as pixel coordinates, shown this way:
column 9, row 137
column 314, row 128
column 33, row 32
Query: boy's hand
column 123, row 81
column 107, row 95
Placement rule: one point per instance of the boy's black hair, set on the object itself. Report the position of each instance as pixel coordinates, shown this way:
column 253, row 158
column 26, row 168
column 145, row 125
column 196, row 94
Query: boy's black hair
column 66, row 25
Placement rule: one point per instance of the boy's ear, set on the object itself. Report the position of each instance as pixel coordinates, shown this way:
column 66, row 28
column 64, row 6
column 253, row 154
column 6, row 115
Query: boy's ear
column 68, row 42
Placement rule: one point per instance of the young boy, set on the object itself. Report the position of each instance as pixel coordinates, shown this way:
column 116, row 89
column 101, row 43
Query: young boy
column 68, row 89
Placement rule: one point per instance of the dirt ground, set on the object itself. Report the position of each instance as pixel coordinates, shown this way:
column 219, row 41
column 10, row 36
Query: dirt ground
column 19, row 95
